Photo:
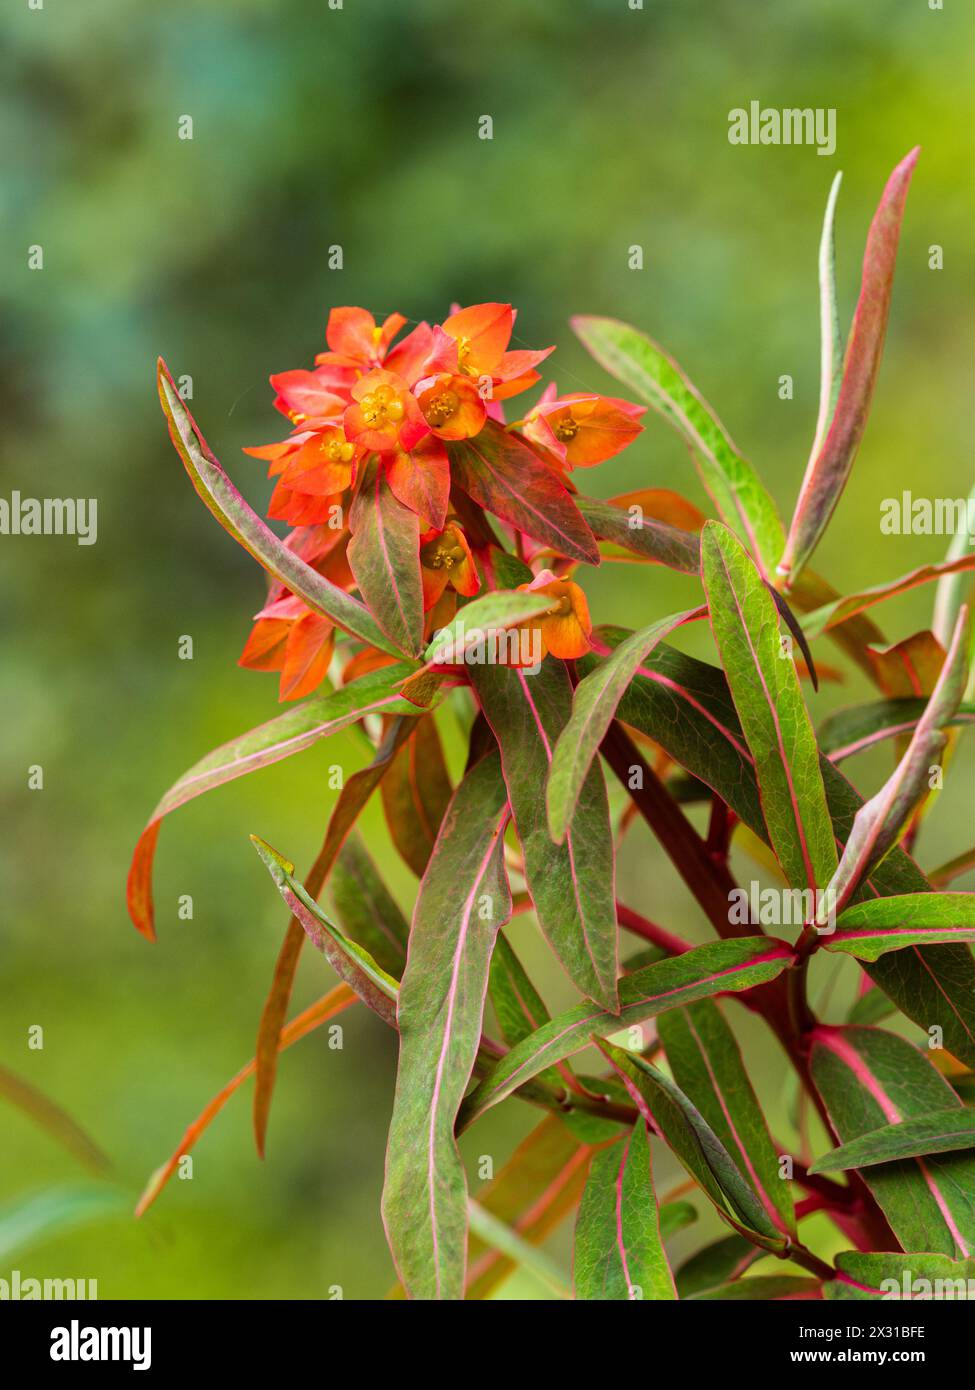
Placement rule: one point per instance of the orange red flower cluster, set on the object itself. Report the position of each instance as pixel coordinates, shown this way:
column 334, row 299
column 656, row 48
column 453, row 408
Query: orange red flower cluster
column 405, row 400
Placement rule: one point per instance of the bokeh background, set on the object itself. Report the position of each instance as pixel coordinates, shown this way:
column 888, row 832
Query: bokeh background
column 358, row 126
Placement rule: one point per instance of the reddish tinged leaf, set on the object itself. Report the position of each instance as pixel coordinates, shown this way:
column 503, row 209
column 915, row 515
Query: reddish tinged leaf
column 870, row 929
column 951, row 1130
column 652, row 540
column 366, row 910
column 289, row 733
column 851, row 731
column 869, row 1078
column 354, row 795
column 415, row 792
column 50, row 1117
column 240, row 520
column 828, row 471
column 464, row 898
column 420, row 480
column 508, row 478
column 572, row 883
column 313, row 1017
column 864, row 1276
column 840, row 611
column 384, row 556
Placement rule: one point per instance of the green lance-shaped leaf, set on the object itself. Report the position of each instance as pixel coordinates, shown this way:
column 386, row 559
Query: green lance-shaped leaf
column 463, row 900
column 292, row 732
column 765, row 688
column 685, row 706
column 415, row 794
column 242, row 522
column 868, row 1078
column 851, row 731
column 350, row 961
column 762, row 1287
column 515, row 1249
column 366, row 910
column 501, row 472
column 739, row 494
column 830, row 467
column 594, row 704
column 650, row 539
column 946, row 1131
column 951, row 586
column 571, row 884
column 840, row 611
column 49, row 1116
column 872, row 928
column 715, row 968
column 518, row 1006
column 717, row 1264
column 879, row 822
column 831, row 355
column 384, row 556
column 863, row 1276
column 619, row 1252
column 706, row 1062
column 670, row 1113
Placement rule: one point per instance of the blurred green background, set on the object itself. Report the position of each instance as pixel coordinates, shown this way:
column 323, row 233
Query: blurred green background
column 358, row 126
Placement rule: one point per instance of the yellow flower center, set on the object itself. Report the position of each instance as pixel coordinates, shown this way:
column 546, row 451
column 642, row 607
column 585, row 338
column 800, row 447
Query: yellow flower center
column 382, row 407
column 566, row 429
column 443, row 554
column 562, row 609
column 440, row 409
column 337, row 451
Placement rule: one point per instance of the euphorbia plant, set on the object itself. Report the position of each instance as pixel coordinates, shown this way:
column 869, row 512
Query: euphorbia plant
column 436, row 559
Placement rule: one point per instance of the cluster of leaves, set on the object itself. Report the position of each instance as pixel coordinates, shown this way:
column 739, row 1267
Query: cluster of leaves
column 424, row 525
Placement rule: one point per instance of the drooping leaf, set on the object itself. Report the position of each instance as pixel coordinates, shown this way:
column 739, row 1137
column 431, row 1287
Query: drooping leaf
column 651, row 540
column 571, row 884
column 878, row 823
column 670, row 1113
column 350, row 961
column 715, row 968
column 865, row 1276
column 766, row 692
column 594, row 704
column 946, row 1131
column 352, row 799
column 706, row 1063
column 313, row 1017
column 508, row 478
column 289, row 733
column 366, row 910
column 384, row 556
column 464, row 898
column 415, row 793
column 869, row 1078
column 869, row 929
column 619, row 1252
column 49, row 1116
column 829, row 468
column 240, row 520
column 740, row 496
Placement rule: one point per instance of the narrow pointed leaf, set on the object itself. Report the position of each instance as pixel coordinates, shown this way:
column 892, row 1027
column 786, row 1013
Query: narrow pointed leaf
column 518, row 1006
column 415, row 793
column 870, row 929
column 463, row 900
column 619, row 1253
column 773, row 715
column 831, row 355
column 55, row 1121
column 520, row 1252
column 571, row 884
column 508, row 478
column 946, row 1131
column 839, row 611
column 706, row 1063
column 384, row 556
column 715, row 968
column 366, row 910
column 650, row 539
column 671, row 1114
column 740, row 496
column 240, row 520
column 869, row 1078
column 852, row 731
column 290, row 733
column 829, row 469
column 879, row 821
column 30, row 1218
column 720, row 1263
column 594, row 705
